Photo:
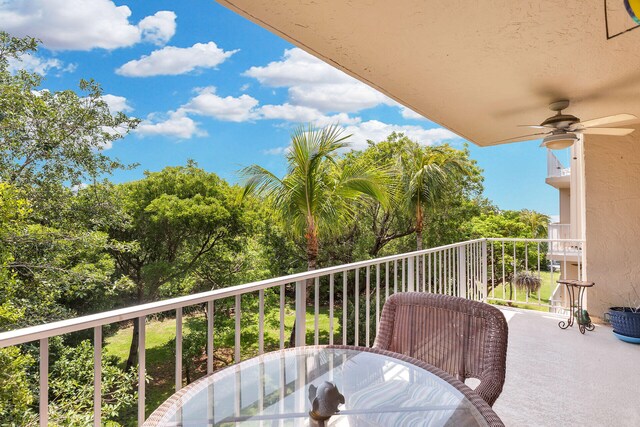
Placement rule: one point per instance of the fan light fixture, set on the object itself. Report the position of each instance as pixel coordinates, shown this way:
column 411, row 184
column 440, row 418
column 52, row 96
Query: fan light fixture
column 560, row 141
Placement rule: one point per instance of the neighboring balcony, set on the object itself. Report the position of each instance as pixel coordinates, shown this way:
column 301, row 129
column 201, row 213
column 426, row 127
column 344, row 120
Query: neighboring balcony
column 562, row 249
column 558, row 176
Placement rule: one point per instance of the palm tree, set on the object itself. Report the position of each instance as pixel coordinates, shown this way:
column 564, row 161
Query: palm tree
column 427, row 174
column 537, row 221
column 316, row 194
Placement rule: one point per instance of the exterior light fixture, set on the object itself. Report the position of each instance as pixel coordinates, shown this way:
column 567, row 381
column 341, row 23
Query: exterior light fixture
column 559, row 141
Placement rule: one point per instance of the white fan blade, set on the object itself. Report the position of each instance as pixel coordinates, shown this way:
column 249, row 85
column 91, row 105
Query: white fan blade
column 607, row 131
column 521, row 138
column 609, row 120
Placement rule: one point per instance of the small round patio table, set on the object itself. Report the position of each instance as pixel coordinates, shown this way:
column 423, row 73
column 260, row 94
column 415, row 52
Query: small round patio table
column 380, row 388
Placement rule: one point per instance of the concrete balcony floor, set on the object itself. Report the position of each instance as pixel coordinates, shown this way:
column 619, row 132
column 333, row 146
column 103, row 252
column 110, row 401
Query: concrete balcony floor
column 563, row 378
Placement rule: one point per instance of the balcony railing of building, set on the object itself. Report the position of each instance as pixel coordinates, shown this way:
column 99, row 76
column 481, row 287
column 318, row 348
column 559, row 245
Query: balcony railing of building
column 561, row 243
column 554, row 167
column 482, row 270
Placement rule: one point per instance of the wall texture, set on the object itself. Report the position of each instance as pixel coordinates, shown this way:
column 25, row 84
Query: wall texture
column 612, row 215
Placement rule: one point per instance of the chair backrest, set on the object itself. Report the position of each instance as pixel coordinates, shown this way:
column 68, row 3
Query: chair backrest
column 465, row 338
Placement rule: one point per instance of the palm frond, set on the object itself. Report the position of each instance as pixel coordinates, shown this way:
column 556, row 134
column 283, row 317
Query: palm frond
column 259, row 181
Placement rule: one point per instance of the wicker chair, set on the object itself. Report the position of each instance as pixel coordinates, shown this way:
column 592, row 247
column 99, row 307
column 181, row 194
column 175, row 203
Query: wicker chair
column 467, row 339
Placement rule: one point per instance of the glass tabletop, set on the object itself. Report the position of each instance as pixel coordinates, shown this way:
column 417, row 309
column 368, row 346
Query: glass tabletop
column 273, row 390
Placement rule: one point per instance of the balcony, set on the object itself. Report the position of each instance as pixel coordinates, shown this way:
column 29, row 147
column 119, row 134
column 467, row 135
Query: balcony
column 553, row 376
column 558, row 176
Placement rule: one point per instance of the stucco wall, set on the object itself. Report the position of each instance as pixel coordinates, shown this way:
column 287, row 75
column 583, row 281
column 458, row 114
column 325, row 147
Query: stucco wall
column 565, row 208
column 612, row 216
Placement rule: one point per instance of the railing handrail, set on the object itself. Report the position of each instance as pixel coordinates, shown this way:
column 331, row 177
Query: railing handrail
column 33, row 333
column 497, row 239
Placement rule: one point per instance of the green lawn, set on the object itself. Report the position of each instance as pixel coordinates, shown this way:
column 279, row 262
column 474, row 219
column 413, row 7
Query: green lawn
column 160, row 357
column 548, row 285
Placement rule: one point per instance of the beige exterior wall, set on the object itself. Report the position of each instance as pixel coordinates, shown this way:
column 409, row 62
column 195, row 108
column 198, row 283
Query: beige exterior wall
column 565, row 200
column 612, row 216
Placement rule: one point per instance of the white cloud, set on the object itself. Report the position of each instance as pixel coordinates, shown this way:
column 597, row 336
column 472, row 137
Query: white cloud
column 229, row 108
column 172, row 60
column 117, row 103
column 276, row 151
column 175, row 125
column 408, row 113
column 159, row 28
column 36, row 64
column 300, row 114
column 375, row 130
column 82, row 24
column 315, row 84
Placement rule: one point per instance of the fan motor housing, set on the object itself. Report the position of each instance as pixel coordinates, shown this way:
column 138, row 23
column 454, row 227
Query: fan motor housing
column 561, row 121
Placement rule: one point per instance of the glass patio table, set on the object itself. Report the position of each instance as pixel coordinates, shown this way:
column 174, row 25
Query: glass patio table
column 380, row 388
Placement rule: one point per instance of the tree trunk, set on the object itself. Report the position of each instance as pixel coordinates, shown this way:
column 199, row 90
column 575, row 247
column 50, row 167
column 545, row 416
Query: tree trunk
column 133, row 348
column 312, row 260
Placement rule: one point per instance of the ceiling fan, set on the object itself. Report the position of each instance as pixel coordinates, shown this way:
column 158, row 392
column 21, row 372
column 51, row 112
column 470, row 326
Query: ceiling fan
column 561, row 130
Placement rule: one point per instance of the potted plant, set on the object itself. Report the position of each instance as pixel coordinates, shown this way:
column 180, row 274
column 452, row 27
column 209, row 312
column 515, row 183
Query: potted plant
column 626, row 320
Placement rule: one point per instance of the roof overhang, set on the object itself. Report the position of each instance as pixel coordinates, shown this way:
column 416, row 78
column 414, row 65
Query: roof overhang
column 478, row 68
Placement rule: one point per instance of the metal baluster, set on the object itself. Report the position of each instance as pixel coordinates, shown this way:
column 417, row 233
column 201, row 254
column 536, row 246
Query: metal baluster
column 395, row 276
column 403, row 275
column 141, row 369
column 493, row 274
column 236, row 356
column 301, row 313
column 316, row 304
column 429, row 281
column 515, row 289
column 424, row 273
column 97, row 375
column 446, row 271
column 344, row 307
column 178, row 348
column 440, row 279
column 377, row 296
column 539, row 274
column 44, row 382
column 261, row 321
column 386, row 280
column 357, row 307
column 526, row 266
column 367, row 304
column 210, row 337
column 282, row 317
column 331, row 300
column 504, row 285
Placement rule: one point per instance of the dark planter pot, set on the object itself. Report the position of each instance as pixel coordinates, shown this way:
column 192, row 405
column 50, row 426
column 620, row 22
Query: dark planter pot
column 625, row 321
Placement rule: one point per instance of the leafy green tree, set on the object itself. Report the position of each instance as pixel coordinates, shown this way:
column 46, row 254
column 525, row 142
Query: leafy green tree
column 71, row 388
column 461, row 199
column 173, row 219
column 52, row 139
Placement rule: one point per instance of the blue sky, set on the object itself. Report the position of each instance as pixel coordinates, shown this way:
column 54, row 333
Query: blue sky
column 212, row 86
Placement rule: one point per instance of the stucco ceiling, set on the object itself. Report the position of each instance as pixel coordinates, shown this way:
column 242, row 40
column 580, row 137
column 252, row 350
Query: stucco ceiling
column 479, row 68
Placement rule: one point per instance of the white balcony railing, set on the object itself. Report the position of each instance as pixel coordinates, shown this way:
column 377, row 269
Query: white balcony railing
column 477, row 269
column 554, row 167
column 561, row 244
